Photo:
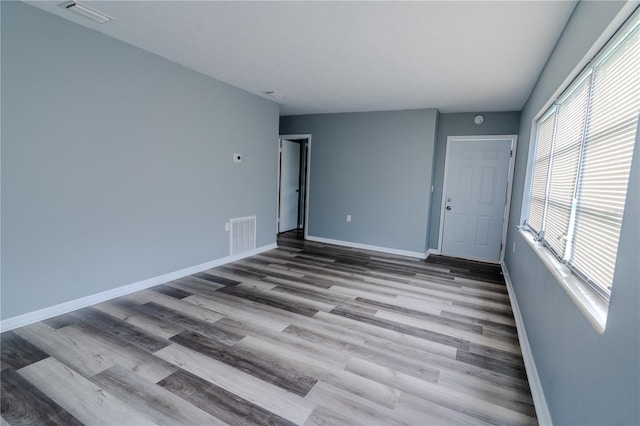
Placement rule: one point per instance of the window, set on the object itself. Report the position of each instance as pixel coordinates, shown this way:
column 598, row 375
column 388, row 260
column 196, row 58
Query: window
column 584, row 146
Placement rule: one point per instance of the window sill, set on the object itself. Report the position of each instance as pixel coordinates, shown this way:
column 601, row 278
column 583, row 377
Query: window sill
column 592, row 306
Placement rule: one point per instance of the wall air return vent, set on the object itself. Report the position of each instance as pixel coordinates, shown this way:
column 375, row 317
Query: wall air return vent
column 242, row 234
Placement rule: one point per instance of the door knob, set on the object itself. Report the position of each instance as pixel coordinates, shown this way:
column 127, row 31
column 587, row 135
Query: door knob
column 448, row 207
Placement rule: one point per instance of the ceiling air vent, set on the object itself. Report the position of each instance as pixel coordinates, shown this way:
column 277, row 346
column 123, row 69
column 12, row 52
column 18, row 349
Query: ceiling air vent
column 275, row 94
column 86, row 12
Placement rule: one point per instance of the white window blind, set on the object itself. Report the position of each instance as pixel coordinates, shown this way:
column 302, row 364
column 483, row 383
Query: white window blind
column 540, row 178
column 565, row 158
column 584, row 147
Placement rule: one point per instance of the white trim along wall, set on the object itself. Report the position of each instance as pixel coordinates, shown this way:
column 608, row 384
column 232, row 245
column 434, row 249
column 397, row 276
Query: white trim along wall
column 83, row 302
column 388, row 250
column 537, row 393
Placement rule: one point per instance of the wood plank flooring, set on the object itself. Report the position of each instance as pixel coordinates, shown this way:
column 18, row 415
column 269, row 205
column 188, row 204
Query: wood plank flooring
column 307, row 334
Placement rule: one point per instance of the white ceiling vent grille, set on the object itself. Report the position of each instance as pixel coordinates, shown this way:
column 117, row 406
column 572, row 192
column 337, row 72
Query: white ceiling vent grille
column 242, row 234
column 86, row 12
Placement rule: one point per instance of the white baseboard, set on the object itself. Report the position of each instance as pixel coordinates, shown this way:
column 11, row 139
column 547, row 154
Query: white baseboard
column 83, row 302
column 388, row 250
column 431, row 251
column 537, row 393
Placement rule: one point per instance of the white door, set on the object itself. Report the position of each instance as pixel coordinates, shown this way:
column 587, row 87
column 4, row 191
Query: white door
column 289, row 185
column 477, row 173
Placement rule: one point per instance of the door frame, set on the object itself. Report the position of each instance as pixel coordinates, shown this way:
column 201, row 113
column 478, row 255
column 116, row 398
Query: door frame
column 507, row 207
column 307, row 181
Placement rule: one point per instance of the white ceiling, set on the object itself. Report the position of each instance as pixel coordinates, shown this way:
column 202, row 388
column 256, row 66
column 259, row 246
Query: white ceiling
column 457, row 56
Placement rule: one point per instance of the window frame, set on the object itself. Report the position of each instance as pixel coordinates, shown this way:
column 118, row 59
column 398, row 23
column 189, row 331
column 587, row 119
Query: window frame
column 588, row 296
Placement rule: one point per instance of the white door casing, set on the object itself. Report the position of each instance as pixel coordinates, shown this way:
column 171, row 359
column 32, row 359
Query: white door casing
column 476, row 196
column 289, row 185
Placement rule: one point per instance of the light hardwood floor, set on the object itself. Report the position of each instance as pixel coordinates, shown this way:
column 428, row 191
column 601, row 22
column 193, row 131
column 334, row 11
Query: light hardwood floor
column 307, row 334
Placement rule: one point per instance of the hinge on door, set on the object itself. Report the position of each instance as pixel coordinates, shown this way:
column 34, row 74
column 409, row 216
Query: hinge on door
column 511, row 153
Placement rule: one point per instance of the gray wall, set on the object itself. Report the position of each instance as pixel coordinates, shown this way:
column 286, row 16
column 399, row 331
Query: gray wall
column 376, row 166
column 587, row 378
column 117, row 164
column 461, row 124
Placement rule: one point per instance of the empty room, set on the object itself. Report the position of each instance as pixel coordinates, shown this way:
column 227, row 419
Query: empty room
column 320, row 212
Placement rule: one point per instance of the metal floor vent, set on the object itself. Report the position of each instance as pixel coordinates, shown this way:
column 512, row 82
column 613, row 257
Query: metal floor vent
column 242, row 234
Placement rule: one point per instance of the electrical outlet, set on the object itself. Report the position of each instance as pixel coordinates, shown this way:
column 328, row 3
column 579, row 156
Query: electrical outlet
column 348, row 218
column 226, row 226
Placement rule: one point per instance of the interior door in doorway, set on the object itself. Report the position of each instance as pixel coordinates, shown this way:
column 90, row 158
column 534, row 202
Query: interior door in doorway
column 289, row 185
column 475, row 196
